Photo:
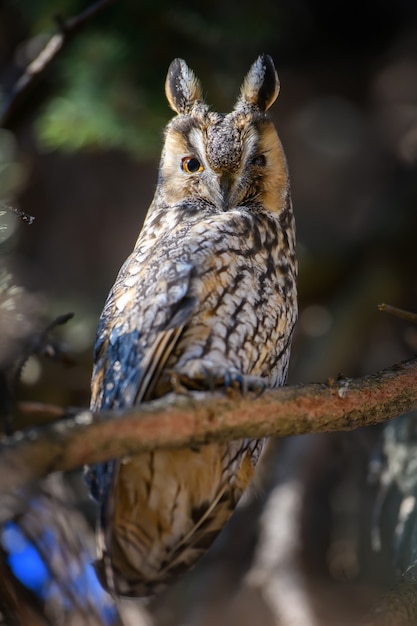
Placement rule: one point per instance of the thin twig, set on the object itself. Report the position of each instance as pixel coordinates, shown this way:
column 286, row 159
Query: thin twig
column 48, row 412
column 36, row 69
column 203, row 417
column 393, row 310
column 40, row 344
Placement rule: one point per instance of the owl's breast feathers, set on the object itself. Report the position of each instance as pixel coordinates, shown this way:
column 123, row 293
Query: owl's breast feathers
column 224, row 278
column 208, row 294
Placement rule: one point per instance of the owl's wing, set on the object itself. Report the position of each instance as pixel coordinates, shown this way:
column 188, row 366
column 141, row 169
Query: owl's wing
column 141, row 323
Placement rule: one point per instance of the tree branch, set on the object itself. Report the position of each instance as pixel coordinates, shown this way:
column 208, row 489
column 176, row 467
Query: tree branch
column 36, row 69
column 203, row 417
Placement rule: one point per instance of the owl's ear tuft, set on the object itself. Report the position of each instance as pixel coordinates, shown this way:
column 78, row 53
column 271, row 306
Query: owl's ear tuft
column 182, row 87
column 260, row 88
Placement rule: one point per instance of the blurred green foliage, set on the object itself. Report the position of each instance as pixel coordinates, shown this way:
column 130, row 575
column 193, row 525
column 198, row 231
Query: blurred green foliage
column 11, row 170
column 98, row 105
column 109, row 93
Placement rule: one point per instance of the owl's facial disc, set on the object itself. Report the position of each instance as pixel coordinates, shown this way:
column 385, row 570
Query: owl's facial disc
column 223, row 146
column 227, row 161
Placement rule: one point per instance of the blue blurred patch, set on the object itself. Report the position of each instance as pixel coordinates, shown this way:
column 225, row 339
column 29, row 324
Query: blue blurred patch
column 28, row 567
column 24, row 560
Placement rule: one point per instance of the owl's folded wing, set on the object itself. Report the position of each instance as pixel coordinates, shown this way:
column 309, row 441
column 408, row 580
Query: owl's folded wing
column 132, row 348
column 138, row 330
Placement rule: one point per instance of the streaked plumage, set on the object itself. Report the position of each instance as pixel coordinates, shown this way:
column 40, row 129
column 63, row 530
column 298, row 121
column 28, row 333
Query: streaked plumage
column 208, row 294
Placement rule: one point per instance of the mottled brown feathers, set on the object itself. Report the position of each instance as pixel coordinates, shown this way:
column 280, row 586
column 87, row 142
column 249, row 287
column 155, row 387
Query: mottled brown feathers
column 182, row 87
column 260, row 88
column 206, row 299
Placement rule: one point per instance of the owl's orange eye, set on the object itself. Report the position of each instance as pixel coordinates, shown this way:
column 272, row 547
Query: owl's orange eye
column 191, row 165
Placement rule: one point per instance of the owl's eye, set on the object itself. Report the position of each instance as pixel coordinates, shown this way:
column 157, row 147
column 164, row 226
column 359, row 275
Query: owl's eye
column 191, row 165
column 259, row 161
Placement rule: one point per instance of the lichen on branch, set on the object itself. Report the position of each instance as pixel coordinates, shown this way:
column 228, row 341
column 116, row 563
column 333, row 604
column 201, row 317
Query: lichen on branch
column 197, row 418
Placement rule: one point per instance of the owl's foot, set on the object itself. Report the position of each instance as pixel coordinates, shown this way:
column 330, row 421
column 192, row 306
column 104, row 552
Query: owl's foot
column 209, row 376
column 244, row 382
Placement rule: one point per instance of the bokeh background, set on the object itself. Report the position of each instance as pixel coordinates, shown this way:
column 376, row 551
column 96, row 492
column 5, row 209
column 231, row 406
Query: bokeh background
column 81, row 156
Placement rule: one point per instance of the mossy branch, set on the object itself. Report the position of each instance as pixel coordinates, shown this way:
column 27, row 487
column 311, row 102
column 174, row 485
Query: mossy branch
column 202, row 417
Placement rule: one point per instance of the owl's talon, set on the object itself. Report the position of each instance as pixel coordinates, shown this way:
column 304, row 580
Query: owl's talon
column 230, row 379
column 247, row 384
column 211, row 378
column 176, row 384
column 244, row 383
column 259, row 387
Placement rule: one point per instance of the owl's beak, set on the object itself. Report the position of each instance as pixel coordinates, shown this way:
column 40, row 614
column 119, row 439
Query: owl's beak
column 225, row 188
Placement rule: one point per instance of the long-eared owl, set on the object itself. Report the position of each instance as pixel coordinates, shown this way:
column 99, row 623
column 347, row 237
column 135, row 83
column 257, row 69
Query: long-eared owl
column 206, row 299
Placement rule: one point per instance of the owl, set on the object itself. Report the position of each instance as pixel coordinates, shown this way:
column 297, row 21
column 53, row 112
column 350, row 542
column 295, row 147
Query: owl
column 206, row 300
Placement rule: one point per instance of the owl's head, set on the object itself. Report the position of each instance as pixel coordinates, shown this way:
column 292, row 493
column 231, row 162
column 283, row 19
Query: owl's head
column 226, row 161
